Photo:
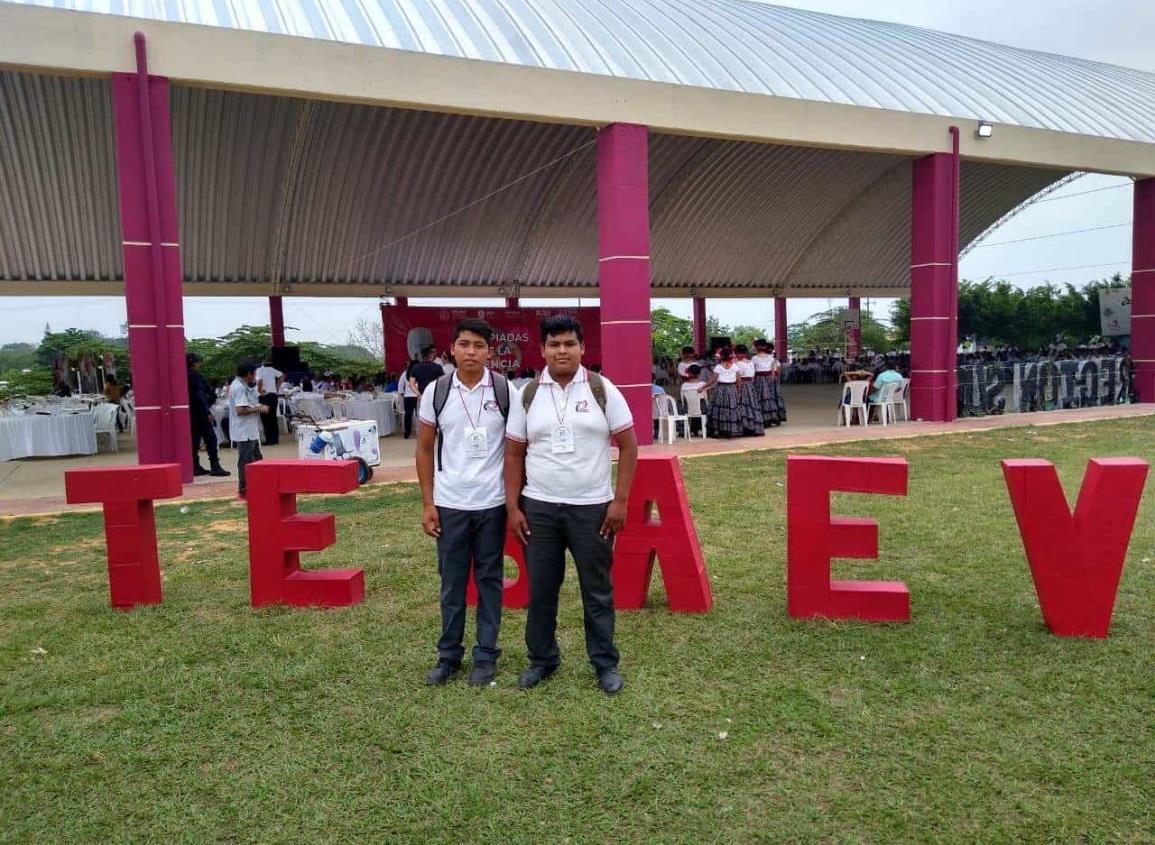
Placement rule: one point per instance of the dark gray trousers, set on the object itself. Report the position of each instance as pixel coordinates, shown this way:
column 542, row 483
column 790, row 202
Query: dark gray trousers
column 247, row 452
column 554, row 528
column 477, row 536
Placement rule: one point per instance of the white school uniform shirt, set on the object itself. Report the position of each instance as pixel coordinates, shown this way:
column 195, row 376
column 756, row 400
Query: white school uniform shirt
column 580, row 477
column 764, row 363
column 726, row 376
column 745, row 368
column 247, row 427
column 462, row 482
column 692, row 397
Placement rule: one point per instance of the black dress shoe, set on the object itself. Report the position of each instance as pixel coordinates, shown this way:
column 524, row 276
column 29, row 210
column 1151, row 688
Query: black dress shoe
column 534, row 675
column 199, row 470
column 219, row 472
column 441, row 673
column 610, row 681
column 482, row 673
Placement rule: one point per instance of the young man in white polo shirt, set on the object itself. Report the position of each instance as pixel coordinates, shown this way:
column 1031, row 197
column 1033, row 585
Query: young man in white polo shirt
column 460, row 452
column 559, row 496
column 245, row 410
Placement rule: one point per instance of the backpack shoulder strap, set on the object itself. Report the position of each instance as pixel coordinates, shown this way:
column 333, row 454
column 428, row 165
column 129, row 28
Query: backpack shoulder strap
column 528, row 394
column 440, row 397
column 501, row 394
column 597, row 388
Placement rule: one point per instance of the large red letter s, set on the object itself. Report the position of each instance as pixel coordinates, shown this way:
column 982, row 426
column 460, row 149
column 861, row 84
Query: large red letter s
column 129, row 523
column 1076, row 560
column 813, row 537
column 278, row 534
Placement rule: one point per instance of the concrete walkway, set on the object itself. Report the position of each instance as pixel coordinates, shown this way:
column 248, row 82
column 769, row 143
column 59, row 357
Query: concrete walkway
column 37, row 486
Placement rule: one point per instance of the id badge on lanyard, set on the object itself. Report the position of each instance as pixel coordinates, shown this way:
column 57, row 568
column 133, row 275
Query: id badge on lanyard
column 476, row 442
column 561, row 439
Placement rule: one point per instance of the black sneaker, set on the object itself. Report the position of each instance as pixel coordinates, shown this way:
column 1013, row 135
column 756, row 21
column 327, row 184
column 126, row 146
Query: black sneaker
column 219, row 472
column 199, row 470
column 610, row 680
column 440, row 674
column 534, row 675
column 482, row 673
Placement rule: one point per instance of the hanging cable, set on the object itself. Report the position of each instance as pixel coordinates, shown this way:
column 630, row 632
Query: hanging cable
column 1052, row 235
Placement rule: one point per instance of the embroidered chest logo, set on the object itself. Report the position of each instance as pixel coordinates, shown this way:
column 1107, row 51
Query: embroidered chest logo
column 582, row 407
column 491, row 406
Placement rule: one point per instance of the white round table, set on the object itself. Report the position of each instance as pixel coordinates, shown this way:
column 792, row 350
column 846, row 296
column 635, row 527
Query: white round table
column 379, row 411
column 47, row 435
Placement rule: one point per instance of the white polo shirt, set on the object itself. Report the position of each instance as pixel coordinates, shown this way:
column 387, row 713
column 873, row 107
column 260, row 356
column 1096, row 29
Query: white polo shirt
column 267, row 379
column 247, row 427
column 580, row 477
column 463, row 482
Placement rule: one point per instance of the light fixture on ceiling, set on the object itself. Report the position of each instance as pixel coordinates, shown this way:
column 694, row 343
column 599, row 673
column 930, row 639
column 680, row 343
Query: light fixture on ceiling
column 985, row 129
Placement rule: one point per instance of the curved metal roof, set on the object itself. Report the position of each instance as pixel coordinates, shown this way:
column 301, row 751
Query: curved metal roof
column 733, row 45
column 280, row 192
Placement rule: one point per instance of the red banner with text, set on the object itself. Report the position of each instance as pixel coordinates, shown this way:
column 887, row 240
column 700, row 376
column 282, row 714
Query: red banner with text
column 516, row 342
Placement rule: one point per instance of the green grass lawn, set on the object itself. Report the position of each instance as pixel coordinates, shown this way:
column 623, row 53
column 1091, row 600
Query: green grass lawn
column 202, row 720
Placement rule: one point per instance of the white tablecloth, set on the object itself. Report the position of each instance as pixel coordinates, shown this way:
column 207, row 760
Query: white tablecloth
column 378, row 410
column 310, row 404
column 40, row 435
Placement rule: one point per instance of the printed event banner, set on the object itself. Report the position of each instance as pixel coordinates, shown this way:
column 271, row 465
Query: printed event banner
column 516, row 343
column 1042, row 386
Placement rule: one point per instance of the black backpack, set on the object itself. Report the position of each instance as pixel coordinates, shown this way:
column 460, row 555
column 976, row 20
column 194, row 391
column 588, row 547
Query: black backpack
column 441, row 396
column 597, row 388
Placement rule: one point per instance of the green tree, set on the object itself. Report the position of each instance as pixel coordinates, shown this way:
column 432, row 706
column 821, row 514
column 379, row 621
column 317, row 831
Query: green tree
column 669, row 333
column 825, row 331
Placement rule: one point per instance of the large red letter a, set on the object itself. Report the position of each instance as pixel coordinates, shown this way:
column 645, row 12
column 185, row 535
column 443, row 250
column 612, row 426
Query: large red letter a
column 671, row 538
column 1076, row 560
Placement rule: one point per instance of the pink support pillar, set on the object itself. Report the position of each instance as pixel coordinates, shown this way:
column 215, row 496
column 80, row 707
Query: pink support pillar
column 152, row 265
column 780, row 341
column 277, row 320
column 624, row 265
column 512, row 302
column 1143, row 289
column 933, row 283
column 854, row 340
column 700, row 339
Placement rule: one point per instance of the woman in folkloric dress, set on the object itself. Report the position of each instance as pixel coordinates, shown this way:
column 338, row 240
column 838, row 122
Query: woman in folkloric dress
column 749, row 413
column 767, row 391
column 725, row 384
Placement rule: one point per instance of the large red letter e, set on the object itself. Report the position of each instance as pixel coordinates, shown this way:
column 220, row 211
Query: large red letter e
column 1076, row 560
column 278, row 534
column 813, row 537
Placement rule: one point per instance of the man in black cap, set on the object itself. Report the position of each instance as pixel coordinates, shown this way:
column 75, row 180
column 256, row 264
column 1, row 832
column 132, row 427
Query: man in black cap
column 200, row 409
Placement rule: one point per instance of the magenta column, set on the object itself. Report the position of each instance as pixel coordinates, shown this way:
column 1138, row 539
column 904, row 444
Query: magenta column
column 780, row 339
column 624, row 265
column 933, row 279
column 277, row 320
column 1143, row 289
column 700, row 339
column 512, row 302
column 854, row 341
column 152, row 266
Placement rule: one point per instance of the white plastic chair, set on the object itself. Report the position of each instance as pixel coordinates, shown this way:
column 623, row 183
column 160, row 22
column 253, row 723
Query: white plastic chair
column 668, row 418
column 283, row 415
column 105, row 415
column 853, row 399
column 884, row 400
column 340, row 409
column 697, row 408
column 900, row 400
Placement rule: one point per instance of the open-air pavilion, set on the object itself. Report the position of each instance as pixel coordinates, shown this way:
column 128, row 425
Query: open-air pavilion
column 533, row 148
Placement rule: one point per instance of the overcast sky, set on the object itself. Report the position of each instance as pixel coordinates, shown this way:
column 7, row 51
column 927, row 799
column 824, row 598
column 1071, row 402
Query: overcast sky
column 1115, row 31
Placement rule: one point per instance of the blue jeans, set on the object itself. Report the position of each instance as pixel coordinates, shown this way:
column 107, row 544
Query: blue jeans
column 477, row 536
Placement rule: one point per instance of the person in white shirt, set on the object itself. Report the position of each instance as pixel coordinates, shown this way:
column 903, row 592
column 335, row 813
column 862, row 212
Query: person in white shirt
column 245, row 410
column 689, row 358
column 460, row 455
column 694, row 397
column 765, row 388
column 559, row 496
column 748, row 410
column 269, row 380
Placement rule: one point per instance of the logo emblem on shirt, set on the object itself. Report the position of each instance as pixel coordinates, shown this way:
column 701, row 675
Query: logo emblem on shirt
column 582, row 407
column 491, row 406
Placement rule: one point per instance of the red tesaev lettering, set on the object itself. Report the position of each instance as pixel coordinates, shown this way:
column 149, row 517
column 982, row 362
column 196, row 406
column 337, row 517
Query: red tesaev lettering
column 278, row 534
column 515, row 593
column 129, row 523
column 813, row 537
column 671, row 538
column 1076, row 560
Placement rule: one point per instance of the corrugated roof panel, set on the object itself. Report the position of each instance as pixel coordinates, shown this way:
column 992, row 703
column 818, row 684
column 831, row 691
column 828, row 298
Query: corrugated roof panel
column 733, row 45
